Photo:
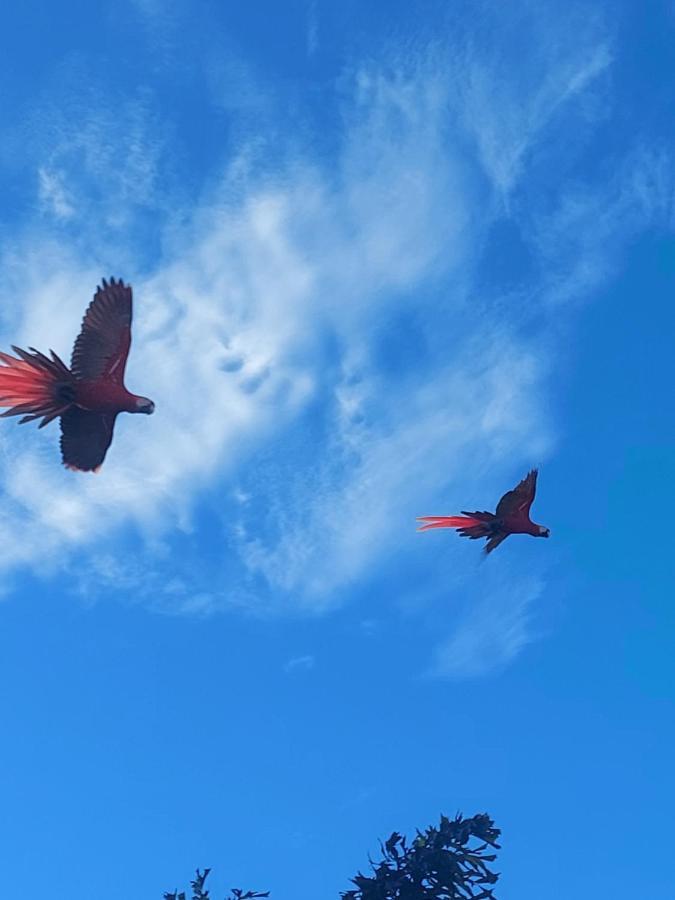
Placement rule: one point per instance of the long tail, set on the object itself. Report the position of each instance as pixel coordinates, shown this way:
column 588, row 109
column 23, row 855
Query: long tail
column 461, row 522
column 34, row 386
column 472, row 525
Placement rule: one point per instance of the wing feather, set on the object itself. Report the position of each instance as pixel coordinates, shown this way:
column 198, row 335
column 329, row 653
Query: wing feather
column 102, row 346
column 85, row 438
column 495, row 541
column 518, row 501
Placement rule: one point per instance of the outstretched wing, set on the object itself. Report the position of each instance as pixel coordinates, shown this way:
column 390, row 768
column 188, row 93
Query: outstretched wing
column 102, row 346
column 494, row 541
column 518, row 501
column 85, row 438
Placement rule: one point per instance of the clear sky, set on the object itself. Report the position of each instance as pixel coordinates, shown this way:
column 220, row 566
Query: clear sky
column 386, row 257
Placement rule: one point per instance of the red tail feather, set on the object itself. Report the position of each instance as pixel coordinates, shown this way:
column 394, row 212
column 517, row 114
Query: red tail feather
column 34, row 386
column 446, row 522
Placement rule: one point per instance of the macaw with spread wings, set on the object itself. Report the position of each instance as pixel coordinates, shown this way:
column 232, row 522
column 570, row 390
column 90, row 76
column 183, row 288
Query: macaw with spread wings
column 88, row 396
column 511, row 517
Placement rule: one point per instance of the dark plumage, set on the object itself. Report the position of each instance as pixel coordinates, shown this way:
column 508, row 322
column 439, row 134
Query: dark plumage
column 87, row 397
column 512, row 516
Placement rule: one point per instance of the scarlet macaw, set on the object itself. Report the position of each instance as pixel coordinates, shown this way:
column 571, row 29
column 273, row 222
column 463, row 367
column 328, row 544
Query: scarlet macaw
column 90, row 394
column 511, row 517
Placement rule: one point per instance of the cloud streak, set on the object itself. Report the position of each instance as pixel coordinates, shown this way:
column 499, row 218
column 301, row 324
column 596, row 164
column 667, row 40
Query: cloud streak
column 491, row 634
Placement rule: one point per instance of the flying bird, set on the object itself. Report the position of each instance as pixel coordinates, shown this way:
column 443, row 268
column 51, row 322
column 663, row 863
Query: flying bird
column 511, row 517
column 88, row 396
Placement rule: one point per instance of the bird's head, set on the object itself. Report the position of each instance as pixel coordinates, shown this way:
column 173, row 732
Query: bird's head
column 143, row 405
column 543, row 531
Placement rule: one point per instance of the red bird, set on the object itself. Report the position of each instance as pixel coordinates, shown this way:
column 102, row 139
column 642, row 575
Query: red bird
column 90, row 394
column 512, row 517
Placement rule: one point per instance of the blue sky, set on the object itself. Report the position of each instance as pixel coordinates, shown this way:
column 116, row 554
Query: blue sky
column 385, row 260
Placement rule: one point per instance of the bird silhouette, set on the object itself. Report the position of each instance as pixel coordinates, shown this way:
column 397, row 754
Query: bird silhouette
column 88, row 396
column 512, row 516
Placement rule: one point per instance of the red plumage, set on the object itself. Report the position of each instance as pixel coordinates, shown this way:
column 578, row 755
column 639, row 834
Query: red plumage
column 512, row 516
column 88, row 396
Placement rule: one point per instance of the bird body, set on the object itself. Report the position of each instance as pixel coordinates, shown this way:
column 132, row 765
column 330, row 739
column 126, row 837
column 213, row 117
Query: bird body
column 104, row 396
column 88, row 396
column 512, row 516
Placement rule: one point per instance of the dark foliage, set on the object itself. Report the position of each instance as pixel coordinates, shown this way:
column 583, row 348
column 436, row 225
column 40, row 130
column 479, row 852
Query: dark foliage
column 445, row 863
column 199, row 892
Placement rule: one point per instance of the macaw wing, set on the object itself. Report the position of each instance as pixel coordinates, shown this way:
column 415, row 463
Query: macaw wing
column 494, row 541
column 85, row 438
column 518, row 501
column 102, row 346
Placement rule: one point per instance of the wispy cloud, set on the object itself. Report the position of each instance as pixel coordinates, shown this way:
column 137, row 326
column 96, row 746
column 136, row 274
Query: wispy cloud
column 579, row 239
column 312, row 28
column 299, row 664
column 491, row 633
column 53, row 194
column 522, row 68
column 102, row 172
column 361, row 504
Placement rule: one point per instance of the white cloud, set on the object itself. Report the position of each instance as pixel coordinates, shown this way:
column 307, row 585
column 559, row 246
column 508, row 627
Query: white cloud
column 312, row 28
column 340, row 525
column 227, row 334
column 53, row 194
column 96, row 162
column 299, row 664
column 579, row 240
column 519, row 69
column 491, row 632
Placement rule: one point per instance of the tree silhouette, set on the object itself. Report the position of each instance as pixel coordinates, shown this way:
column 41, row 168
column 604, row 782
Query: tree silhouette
column 440, row 864
column 449, row 862
column 199, row 892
